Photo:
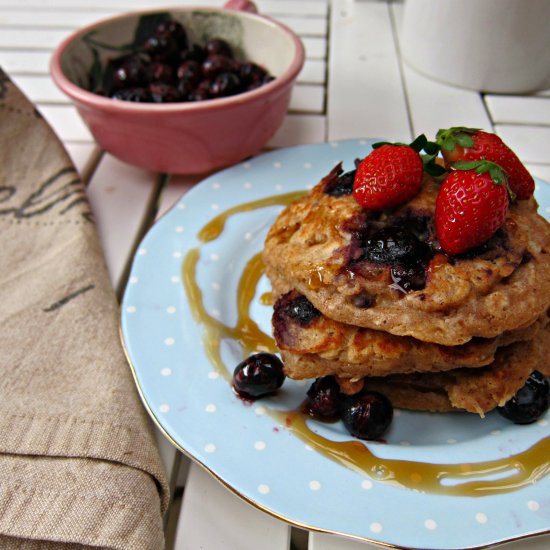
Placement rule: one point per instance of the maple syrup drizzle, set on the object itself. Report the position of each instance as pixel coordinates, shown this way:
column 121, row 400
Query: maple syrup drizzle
column 468, row 479
column 213, row 229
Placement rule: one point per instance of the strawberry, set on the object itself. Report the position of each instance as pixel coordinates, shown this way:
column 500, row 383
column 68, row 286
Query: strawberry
column 469, row 144
column 471, row 205
column 387, row 177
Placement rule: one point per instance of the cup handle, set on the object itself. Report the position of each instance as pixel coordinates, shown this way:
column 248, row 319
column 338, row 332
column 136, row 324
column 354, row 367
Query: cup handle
column 241, row 5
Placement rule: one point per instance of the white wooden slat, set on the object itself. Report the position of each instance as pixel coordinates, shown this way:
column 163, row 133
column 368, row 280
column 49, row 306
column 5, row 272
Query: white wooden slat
column 299, row 129
column 319, row 541
column 45, row 18
column 315, row 47
column 119, row 195
column 313, row 72
column 307, row 98
column 66, row 122
column 435, row 105
column 532, row 110
column 322, row 541
column 72, row 19
column 305, row 26
column 81, row 5
column 31, row 39
column 81, row 154
column 14, row 62
column 288, row 7
column 365, row 95
column 310, row 8
column 40, row 89
column 212, row 518
column 530, row 143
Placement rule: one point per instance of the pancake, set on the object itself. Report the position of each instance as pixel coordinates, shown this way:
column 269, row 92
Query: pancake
column 313, row 345
column 324, row 246
column 472, row 390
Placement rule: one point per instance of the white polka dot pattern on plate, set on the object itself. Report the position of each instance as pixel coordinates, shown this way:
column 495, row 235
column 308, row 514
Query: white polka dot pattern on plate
column 169, row 341
column 164, row 408
column 166, row 371
column 210, row 408
column 315, row 485
column 533, row 505
column 263, row 489
column 481, row 518
column 210, row 448
column 430, row 524
column 260, row 445
column 375, row 527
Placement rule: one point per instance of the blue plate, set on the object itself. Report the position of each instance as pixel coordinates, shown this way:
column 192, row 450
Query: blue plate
column 180, row 285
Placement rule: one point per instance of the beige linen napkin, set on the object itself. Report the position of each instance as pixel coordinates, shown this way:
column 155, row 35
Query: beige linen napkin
column 79, row 466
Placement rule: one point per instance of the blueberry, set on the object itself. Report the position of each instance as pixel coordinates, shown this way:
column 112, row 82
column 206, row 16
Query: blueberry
column 193, row 53
column 367, row 415
column 129, row 71
column 174, row 30
column 530, row 402
column 342, row 185
column 408, row 278
column 138, row 95
column 224, row 85
column 164, row 93
column 189, row 70
column 251, row 73
column 258, row 375
column 395, row 245
column 166, row 41
column 160, row 72
column 217, row 46
column 362, row 300
column 324, row 399
column 202, row 91
column 215, row 64
column 301, row 310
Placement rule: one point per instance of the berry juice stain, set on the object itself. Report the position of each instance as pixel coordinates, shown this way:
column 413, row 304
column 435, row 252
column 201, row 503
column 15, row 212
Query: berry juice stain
column 515, row 472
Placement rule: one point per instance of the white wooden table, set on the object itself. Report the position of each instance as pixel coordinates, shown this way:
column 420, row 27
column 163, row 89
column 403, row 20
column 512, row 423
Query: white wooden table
column 353, row 85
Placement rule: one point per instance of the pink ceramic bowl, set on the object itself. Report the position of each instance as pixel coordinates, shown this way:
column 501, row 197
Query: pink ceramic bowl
column 188, row 137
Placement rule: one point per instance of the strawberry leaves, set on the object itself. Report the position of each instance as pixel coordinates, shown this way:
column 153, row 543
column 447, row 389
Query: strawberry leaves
column 457, row 135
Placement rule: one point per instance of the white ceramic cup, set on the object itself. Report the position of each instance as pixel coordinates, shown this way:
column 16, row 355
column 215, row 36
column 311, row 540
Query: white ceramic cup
column 500, row 46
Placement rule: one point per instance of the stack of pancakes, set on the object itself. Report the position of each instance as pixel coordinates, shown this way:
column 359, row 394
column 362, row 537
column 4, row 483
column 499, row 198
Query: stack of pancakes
column 448, row 333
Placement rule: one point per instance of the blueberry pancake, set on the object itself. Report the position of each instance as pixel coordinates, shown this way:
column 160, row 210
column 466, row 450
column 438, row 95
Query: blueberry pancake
column 385, row 270
column 313, row 345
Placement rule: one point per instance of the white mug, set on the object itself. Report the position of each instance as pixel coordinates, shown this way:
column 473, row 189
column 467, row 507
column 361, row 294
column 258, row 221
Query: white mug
column 500, row 46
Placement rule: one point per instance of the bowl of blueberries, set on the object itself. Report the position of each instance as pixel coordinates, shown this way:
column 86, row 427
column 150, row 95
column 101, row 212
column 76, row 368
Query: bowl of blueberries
column 182, row 90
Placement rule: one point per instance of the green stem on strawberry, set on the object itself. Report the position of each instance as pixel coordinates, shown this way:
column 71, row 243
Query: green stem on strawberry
column 431, row 152
column 497, row 173
column 449, row 138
